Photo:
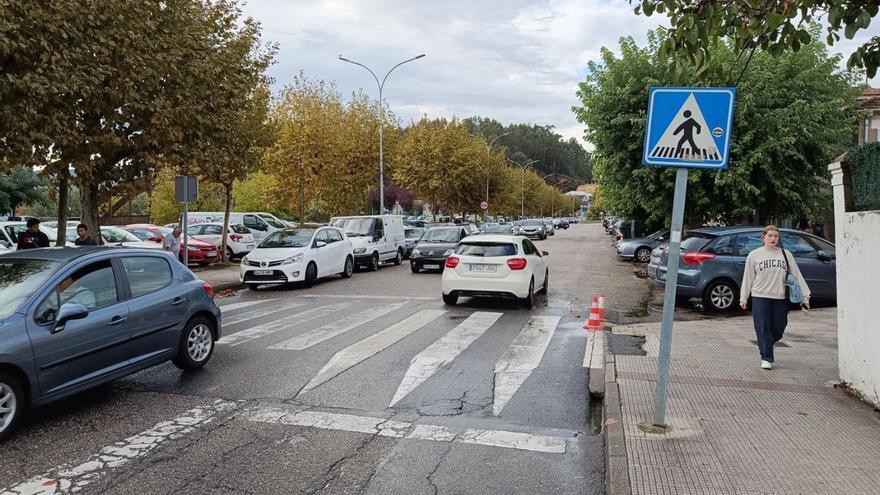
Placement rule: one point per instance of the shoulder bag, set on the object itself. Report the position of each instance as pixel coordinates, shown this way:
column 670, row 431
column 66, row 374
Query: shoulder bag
column 792, row 288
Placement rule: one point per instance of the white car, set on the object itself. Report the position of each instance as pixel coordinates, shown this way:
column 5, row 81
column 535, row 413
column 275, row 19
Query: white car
column 505, row 266
column 239, row 240
column 115, row 236
column 298, row 255
column 9, row 232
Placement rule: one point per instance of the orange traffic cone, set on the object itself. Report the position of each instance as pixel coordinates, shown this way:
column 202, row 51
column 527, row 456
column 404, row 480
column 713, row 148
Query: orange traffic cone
column 594, row 323
column 602, row 306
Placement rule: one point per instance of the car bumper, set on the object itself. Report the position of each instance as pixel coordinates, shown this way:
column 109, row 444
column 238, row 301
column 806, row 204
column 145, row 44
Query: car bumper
column 512, row 286
column 203, row 257
column 533, row 235
column 685, row 287
column 281, row 274
column 421, row 261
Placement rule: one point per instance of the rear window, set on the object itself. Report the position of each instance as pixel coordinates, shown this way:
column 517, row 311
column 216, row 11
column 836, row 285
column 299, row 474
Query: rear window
column 486, row 249
column 239, row 229
column 695, row 242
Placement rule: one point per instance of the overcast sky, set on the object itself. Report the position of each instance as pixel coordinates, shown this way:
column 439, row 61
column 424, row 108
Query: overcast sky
column 512, row 60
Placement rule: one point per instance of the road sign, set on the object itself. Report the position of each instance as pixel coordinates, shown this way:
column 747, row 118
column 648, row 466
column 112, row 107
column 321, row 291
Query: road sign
column 689, row 127
column 484, row 205
column 186, row 188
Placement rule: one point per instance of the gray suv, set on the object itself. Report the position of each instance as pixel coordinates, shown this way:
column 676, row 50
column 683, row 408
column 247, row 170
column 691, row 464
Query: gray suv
column 73, row 318
column 713, row 260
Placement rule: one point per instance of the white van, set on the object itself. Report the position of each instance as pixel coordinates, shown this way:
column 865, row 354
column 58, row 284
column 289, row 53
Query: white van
column 260, row 224
column 375, row 238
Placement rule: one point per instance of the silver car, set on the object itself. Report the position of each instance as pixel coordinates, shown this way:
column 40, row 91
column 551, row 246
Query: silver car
column 639, row 249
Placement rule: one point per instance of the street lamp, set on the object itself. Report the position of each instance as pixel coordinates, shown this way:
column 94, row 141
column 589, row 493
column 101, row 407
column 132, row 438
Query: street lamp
column 489, row 157
column 381, row 86
column 522, row 193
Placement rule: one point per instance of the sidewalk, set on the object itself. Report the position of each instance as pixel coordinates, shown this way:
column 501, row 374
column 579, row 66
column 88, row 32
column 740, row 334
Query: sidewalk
column 736, row 428
column 220, row 276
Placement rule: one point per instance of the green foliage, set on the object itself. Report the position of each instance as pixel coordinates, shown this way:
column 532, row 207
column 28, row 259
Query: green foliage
column 255, row 193
column 793, row 114
column 21, row 186
column 164, row 209
column 774, row 26
column 554, row 154
column 864, row 169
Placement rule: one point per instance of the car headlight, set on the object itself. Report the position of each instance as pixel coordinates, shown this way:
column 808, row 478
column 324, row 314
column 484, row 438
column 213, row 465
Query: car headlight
column 244, row 260
column 192, row 248
column 449, row 252
column 360, row 250
column 293, row 259
column 415, row 253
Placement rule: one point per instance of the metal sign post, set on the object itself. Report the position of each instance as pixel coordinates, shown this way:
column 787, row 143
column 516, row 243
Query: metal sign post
column 686, row 128
column 186, row 189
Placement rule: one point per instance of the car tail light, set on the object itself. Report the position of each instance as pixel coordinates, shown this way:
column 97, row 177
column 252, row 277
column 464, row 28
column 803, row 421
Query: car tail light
column 517, row 263
column 697, row 257
column 235, row 237
column 209, row 290
column 452, row 262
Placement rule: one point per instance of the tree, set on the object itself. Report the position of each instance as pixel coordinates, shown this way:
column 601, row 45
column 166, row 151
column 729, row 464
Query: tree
column 21, row 187
column 164, row 209
column 255, row 193
column 792, row 115
column 776, row 26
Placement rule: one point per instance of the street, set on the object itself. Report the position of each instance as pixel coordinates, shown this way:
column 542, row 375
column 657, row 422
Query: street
column 365, row 385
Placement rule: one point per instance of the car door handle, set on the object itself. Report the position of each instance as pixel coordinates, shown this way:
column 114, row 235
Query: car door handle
column 740, row 262
column 116, row 320
column 177, row 301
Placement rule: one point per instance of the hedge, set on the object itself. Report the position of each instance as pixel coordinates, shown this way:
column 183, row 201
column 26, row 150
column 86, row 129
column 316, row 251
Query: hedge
column 864, row 168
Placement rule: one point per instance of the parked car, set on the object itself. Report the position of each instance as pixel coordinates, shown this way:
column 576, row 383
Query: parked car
column 117, row 236
column 199, row 252
column 654, row 263
column 376, row 238
column 548, row 226
column 411, row 236
column 239, row 239
column 435, row 245
column 74, row 318
column 498, row 228
column 639, row 249
column 531, row 228
column 713, row 259
column 256, row 221
column 298, row 255
column 502, row 266
column 9, row 232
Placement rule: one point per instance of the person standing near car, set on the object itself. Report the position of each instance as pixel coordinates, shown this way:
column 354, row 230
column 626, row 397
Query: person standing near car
column 172, row 242
column 764, row 278
column 33, row 238
column 82, row 236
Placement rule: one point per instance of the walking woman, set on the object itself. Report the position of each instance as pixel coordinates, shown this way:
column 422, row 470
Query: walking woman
column 764, row 278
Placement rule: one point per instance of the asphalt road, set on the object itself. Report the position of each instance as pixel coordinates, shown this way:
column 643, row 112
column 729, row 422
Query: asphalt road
column 367, row 385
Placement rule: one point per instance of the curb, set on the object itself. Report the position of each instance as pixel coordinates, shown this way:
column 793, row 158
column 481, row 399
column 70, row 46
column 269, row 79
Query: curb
column 616, row 467
column 228, row 286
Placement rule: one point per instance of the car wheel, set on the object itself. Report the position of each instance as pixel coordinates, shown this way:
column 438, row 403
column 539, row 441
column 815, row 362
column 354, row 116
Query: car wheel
column 374, row 262
column 349, row 268
column 546, row 286
column 196, row 344
column 720, row 295
column 399, row 258
column 11, row 403
column 449, row 299
column 229, row 253
column 414, row 267
column 529, row 301
column 643, row 255
column 311, row 274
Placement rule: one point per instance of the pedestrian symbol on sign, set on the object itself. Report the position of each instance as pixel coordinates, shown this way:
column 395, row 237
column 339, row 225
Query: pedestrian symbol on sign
column 695, row 144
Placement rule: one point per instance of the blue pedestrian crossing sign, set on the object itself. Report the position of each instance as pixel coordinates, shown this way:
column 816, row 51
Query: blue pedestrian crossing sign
column 689, row 127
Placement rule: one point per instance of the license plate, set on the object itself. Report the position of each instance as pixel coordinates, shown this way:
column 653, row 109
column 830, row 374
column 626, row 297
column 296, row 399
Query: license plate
column 262, row 272
column 432, row 267
column 483, row 268
column 212, row 253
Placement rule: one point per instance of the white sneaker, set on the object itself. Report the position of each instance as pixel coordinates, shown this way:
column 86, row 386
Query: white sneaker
column 767, row 365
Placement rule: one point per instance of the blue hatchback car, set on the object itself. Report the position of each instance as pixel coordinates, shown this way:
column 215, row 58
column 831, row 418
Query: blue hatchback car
column 713, row 260
column 73, row 318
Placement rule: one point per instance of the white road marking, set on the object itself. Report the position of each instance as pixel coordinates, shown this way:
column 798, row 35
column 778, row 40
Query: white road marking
column 372, row 345
column 369, row 296
column 410, row 431
column 444, row 351
column 244, row 304
column 338, row 327
column 285, row 323
column 521, row 358
column 72, row 478
column 261, row 312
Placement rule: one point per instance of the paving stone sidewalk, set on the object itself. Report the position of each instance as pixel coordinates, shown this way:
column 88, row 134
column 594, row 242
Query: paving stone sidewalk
column 739, row 429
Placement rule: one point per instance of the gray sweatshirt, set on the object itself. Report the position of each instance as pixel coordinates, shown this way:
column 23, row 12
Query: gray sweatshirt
column 765, row 275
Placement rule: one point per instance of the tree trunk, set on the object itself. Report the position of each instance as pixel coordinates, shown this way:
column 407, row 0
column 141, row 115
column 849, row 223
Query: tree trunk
column 228, row 188
column 90, row 205
column 63, row 195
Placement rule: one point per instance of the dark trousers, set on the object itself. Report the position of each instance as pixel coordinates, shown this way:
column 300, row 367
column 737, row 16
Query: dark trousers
column 771, row 318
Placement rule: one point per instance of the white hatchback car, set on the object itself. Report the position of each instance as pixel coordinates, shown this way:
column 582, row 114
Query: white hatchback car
column 298, row 255
column 239, row 240
column 505, row 266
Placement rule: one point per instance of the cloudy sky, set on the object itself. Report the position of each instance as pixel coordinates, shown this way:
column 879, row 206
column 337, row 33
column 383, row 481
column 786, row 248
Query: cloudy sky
column 513, row 60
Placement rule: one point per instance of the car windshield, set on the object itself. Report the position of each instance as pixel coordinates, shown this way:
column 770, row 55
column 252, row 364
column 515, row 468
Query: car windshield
column 355, row 227
column 19, row 278
column 239, row 229
column 486, row 249
column 271, row 221
column 657, row 235
column 113, row 235
column 440, row 235
column 288, row 238
column 532, row 222
column 413, row 233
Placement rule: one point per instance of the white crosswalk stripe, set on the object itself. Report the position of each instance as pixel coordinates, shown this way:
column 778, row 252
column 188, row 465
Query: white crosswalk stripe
column 338, row 327
column 372, row 345
column 286, row 323
column 252, row 314
column 521, row 358
column 226, row 308
column 444, row 351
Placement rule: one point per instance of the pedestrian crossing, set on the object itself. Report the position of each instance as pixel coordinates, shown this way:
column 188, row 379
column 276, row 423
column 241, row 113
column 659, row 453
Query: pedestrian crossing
column 685, row 153
column 352, row 331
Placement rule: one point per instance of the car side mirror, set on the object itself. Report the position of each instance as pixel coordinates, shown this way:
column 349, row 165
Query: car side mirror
column 320, row 244
column 661, row 238
column 822, row 255
column 67, row 312
column 545, row 253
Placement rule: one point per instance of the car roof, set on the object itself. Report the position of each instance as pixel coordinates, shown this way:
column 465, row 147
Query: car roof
column 68, row 253
column 494, row 238
column 734, row 229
